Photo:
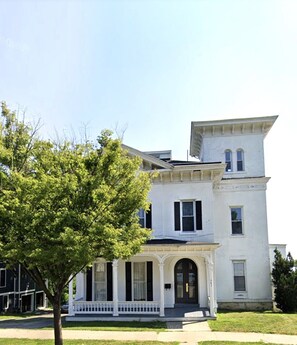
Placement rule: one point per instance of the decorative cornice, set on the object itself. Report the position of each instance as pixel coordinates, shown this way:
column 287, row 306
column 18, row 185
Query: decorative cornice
column 220, row 128
column 185, row 176
column 246, row 184
column 191, row 173
column 185, row 247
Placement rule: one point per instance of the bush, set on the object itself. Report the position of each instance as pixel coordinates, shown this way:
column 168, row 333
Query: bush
column 284, row 278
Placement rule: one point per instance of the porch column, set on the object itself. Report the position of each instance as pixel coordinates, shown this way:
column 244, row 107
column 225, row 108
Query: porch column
column 70, row 298
column 161, row 270
column 210, row 273
column 115, row 295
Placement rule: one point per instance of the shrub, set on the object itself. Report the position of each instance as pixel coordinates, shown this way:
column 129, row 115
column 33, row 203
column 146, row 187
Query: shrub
column 284, row 278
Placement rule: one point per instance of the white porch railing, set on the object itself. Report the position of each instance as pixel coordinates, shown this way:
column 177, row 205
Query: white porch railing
column 100, row 307
column 92, row 307
column 138, row 307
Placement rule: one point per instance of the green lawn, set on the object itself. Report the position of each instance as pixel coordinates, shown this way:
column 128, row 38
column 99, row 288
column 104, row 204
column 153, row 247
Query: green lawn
column 156, row 326
column 257, row 322
column 80, row 342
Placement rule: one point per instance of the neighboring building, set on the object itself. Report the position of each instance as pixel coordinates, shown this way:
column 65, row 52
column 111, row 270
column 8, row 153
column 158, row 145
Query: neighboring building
column 210, row 239
column 18, row 293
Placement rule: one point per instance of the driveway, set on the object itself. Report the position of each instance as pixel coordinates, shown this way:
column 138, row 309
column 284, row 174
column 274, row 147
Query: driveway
column 32, row 322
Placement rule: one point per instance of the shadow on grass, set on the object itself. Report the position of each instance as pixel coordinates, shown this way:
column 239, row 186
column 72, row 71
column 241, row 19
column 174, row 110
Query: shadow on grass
column 116, row 325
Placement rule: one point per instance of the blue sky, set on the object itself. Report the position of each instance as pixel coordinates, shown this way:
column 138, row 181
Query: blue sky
column 149, row 68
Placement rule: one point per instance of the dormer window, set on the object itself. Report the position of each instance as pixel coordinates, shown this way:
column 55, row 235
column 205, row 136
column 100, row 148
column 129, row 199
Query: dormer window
column 228, row 160
column 239, row 155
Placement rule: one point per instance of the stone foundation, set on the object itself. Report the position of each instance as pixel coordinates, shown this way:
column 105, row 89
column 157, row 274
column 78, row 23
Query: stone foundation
column 246, row 305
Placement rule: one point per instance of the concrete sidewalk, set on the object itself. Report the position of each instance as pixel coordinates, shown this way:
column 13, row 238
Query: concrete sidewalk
column 191, row 334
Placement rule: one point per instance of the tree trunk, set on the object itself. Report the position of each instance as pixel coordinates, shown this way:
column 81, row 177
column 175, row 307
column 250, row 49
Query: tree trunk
column 57, row 322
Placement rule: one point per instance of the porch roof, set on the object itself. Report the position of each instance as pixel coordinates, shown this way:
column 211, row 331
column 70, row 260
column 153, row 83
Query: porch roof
column 174, row 244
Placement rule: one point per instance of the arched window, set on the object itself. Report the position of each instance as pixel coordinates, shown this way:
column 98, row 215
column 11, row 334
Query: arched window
column 239, row 156
column 228, row 160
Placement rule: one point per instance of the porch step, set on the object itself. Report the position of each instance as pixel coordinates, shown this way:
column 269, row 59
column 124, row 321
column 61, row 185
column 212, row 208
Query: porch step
column 171, row 314
column 137, row 318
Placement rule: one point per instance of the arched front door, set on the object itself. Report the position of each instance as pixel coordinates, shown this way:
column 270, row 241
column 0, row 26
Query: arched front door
column 186, row 282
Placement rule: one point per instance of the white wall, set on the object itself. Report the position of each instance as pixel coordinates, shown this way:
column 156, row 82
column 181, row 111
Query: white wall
column 252, row 246
column 214, row 151
column 163, row 197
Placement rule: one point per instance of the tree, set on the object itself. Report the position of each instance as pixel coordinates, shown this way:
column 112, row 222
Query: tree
column 284, row 278
column 63, row 205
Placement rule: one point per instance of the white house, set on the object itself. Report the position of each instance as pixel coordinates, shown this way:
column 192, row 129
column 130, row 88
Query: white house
column 210, row 239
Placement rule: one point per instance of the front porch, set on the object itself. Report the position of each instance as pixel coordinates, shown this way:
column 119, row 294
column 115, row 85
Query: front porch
column 168, row 279
column 90, row 311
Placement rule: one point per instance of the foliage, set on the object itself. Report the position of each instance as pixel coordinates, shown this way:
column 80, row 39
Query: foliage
column 256, row 322
column 62, row 205
column 284, row 278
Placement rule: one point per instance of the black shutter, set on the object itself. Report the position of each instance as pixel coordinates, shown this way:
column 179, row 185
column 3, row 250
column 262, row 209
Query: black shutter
column 198, row 215
column 148, row 218
column 109, row 281
column 149, row 273
column 176, row 215
column 89, row 283
column 128, row 281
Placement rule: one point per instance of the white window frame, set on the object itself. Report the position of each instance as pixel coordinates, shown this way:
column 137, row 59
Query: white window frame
column 242, row 159
column 228, row 161
column 242, row 217
column 104, row 264
column 182, row 216
column 5, row 303
column 243, row 262
column 142, row 216
column 133, row 279
column 5, row 277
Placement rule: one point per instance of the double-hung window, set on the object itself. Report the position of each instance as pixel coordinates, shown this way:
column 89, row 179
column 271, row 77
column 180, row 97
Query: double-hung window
column 141, row 215
column 228, row 160
column 239, row 276
column 2, row 277
column 188, row 215
column 239, row 156
column 236, row 220
column 145, row 218
column 239, row 160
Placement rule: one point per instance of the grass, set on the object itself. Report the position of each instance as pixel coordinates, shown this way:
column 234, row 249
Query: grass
column 79, row 342
column 138, row 326
column 116, row 326
column 257, row 322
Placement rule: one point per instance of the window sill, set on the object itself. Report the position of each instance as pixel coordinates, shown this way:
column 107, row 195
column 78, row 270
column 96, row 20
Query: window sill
column 194, row 232
column 240, row 295
column 235, row 172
